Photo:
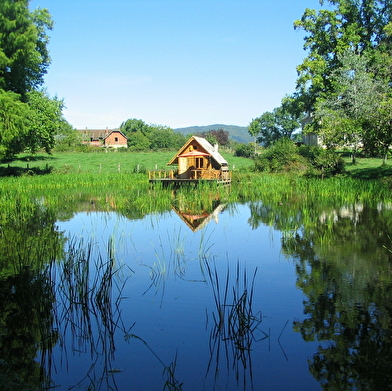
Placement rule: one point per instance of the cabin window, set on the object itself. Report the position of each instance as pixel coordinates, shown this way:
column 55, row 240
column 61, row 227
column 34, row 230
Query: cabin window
column 116, row 139
column 199, row 162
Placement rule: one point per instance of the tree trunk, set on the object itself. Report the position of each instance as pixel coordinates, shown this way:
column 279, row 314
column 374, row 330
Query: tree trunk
column 384, row 160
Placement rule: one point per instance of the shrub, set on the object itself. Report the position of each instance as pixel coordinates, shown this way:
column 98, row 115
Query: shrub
column 324, row 162
column 244, row 150
column 139, row 168
column 281, row 156
column 284, row 155
column 328, row 162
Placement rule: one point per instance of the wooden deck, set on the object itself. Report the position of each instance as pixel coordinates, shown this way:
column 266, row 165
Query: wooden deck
column 196, row 176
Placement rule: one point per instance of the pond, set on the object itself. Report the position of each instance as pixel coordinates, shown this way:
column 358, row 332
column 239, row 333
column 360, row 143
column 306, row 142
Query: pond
column 244, row 296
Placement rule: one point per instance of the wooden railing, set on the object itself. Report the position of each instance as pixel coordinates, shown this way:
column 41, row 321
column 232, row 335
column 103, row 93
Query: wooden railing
column 162, row 174
column 218, row 175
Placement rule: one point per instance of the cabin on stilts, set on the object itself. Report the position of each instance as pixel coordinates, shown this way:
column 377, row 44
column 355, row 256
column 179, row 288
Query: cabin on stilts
column 197, row 160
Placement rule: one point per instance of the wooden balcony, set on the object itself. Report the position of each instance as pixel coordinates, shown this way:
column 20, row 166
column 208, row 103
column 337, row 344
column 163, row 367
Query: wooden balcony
column 191, row 176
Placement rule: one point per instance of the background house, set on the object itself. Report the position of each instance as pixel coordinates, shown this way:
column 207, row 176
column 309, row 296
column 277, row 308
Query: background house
column 112, row 138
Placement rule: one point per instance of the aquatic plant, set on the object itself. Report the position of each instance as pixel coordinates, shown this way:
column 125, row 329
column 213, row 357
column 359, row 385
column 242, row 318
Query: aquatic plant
column 87, row 309
column 234, row 322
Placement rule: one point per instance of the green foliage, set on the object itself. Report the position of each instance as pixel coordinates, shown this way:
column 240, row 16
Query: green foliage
column 29, row 117
column 24, row 57
column 244, row 150
column 13, row 122
column 45, row 121
column 281, row 156
column 236, row 133
column 67, row 137
column 143, row 137
column 281, row 122
column 325, row 161
column 345, row 25
column 343, row 117
column 137, row 141
column 285, row 156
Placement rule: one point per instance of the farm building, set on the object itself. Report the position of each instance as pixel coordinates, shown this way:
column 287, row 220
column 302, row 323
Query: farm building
column 196, row 160
column 104, row 138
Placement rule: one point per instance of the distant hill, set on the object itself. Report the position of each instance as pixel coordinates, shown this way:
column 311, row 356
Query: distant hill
column 236, row 133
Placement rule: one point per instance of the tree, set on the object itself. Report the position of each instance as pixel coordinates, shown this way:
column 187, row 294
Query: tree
column 244, row 150
column 13, row 122
column 342, row 117
column 142, row 136
column 29, row 116
column 280, row 123
column 352, row 113
column 137, row 141
column 356, row 25
column 45, row 120
column 24, row 57
column 134, row 125
column 378, row 137
column 163, row 137
column 67, row 136
column 219, row 136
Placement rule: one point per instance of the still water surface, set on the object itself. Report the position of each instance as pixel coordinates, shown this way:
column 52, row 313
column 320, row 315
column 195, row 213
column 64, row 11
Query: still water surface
column 261, row 295
column 226, row 301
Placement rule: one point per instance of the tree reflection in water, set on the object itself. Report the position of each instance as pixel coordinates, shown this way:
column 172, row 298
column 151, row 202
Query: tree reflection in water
column 29, row 243
column 349, row 300
column 26, row 329
column 343, row 265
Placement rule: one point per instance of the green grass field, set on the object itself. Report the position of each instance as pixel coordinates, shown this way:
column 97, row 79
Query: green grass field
column 368, row 168
column 128, row 162
column 101, row 162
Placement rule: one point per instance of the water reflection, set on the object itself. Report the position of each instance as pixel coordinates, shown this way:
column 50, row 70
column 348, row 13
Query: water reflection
column 198, row 219
column 29, row 242
column 235, row 325
column 135, row 304
column 343, row 264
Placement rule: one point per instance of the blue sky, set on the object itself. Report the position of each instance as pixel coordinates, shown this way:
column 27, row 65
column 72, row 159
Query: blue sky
column 172, row 62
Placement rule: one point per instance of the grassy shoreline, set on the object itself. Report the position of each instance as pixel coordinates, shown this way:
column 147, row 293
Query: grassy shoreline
column 96, row 179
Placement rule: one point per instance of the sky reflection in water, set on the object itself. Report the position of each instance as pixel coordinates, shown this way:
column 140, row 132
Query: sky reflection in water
column 167, row 306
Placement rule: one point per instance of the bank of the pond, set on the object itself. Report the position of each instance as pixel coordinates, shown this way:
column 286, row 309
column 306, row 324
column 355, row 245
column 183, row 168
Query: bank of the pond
column 131, row 193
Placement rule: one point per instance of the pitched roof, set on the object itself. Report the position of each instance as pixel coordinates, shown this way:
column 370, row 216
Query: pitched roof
column 212, row 151
column 97, row 134
column 118, row 131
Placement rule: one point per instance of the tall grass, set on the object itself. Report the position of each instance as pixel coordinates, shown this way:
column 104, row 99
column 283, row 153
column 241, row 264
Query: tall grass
column 234, row 322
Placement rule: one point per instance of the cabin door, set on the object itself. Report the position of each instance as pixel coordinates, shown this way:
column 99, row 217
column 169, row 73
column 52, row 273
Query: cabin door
column 182, row 166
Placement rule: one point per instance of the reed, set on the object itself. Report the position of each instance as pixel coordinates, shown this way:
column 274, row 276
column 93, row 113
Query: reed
column 234, row 322
column 131, row 195
column 88, row 312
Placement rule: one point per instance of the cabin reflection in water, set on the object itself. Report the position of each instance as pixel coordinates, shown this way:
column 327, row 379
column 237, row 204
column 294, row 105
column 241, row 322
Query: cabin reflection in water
column 198, row 220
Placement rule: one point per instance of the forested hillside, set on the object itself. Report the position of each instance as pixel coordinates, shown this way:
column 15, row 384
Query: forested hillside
column 236, row 133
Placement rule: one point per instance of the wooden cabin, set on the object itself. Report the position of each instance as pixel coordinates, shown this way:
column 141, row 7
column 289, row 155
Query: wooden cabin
column 104, row 138
column 196, row 160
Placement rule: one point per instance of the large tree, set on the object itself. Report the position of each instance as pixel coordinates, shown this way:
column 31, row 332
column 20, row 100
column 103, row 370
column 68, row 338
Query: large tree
column 356, row 25
column 28, row 116
column 342, row 117
column 24, row 57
